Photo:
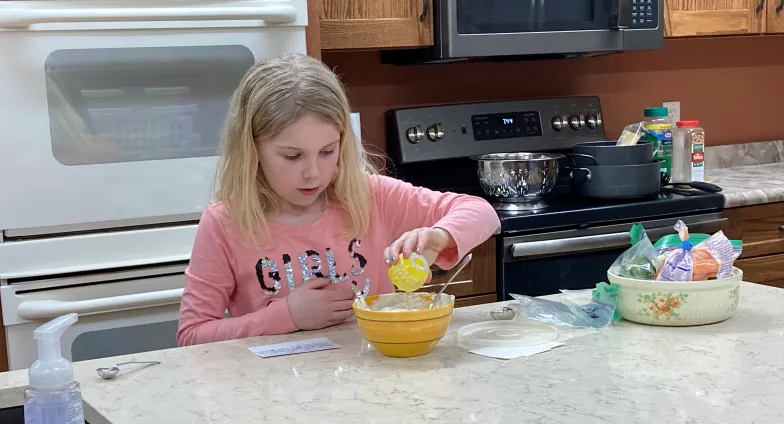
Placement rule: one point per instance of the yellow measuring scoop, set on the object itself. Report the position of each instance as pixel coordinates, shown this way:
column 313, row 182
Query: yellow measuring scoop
column 410, row 274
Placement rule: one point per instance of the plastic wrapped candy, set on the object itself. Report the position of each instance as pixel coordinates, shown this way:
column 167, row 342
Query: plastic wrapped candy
column 638, row 261
column 712, row 257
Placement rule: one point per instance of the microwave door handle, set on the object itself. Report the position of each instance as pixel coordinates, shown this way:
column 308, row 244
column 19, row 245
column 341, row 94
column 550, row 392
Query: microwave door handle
column 23, row 17
column 47, row 309
column 620, row 15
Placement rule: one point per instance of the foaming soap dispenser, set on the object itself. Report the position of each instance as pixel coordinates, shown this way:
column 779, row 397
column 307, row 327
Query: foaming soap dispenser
column 53, row 396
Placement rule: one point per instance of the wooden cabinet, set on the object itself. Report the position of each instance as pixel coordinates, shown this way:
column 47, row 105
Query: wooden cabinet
column 713, row 17
column 3, row 346
column 685, row 18
column 775, row 16
column 373, row 24
column 313, row 30
column 476, row 283
column 761, row 228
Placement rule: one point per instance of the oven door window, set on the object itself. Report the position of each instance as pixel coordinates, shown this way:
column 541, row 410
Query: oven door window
column 544, row 276
column 124, row 340
column 514, row 16
column 115, row 105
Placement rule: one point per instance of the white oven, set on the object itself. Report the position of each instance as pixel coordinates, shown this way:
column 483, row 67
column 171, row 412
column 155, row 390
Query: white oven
column 120, row 312
column 111, row 111
column 110, row 119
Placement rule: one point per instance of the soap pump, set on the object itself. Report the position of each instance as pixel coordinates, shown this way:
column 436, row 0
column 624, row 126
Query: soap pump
column 53, row 396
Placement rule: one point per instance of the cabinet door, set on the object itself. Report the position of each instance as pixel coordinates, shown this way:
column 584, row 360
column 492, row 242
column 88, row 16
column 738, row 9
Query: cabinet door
column 761, row 227
column 367, row 24
column 765, row 270
column 476, row 281
column 775, row 12
column 685, row 18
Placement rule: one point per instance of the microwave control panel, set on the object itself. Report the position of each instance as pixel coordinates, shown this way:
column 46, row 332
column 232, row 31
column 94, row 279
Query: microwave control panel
column 644, row 14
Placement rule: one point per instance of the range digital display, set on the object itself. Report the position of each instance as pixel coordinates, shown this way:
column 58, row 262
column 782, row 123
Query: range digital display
column 506, row 125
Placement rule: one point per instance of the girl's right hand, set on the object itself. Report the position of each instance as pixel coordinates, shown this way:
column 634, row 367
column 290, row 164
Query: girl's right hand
column 313, row 308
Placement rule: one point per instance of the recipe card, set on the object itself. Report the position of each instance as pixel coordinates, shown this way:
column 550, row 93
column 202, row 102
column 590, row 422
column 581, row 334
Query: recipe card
column 295, row 347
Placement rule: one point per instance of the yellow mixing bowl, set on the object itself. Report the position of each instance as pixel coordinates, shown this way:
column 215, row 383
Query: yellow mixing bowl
column 404, row 334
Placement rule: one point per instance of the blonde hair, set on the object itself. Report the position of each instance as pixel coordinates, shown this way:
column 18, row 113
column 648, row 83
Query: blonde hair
column 272, row 95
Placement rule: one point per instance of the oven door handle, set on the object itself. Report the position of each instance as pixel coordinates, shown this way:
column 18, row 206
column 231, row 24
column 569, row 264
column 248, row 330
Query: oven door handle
column 16, row 16
column 604, row 241
column 47, row 309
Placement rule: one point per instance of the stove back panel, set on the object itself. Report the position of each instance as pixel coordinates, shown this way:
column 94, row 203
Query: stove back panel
column 459, row 131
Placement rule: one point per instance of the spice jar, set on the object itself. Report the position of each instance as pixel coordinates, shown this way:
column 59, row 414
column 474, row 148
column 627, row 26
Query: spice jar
column 688, row 153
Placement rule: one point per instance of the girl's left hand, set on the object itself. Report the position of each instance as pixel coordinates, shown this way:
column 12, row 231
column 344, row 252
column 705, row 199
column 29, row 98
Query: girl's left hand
column 427, row 241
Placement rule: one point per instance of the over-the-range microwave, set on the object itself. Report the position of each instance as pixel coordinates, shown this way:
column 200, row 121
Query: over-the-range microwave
column 518, row 29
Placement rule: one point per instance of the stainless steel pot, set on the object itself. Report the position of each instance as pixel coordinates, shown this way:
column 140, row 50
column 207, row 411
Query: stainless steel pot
column 518, row 176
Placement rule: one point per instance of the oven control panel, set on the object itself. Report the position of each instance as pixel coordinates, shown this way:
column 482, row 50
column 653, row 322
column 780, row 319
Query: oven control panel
column 467, row 129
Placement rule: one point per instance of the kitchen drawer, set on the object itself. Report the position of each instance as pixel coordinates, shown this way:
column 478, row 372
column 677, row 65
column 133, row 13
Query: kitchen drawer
column 477, row 278
column 765, row 270
column 476, row 300
column 760, row 227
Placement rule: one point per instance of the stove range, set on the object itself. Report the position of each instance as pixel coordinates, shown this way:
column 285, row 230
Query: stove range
column 562, row 241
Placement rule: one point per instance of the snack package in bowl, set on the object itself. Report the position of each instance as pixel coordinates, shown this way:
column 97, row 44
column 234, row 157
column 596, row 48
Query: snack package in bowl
column 638, row 261
column 712, row 257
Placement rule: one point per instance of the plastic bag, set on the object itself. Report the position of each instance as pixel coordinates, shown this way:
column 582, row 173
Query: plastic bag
column 599, row 312
column 713, row 257
column 631, row 134
column 673, row 241
column 638, row 261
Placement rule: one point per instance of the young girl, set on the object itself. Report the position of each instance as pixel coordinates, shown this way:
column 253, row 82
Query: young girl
column 302, row 222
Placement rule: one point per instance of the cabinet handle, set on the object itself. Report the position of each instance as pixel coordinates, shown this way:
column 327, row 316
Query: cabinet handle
column 780, row 7
column 761, row 6
column 426, row 8
column 781, row 227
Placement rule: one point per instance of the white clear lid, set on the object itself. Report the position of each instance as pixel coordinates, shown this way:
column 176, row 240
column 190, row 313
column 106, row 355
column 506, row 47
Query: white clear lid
column 511, row 333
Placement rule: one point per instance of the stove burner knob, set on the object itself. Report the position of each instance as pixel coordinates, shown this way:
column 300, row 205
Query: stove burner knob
column 559, row 123
column 575, row 122
column 435, row 132
column 592, row 121
column 415, row 134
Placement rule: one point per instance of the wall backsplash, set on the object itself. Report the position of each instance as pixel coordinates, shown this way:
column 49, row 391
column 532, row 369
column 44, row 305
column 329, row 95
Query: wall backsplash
column 734, row 86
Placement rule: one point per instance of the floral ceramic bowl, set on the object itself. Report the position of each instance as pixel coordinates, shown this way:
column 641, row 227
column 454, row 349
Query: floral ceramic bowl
column 678, row 303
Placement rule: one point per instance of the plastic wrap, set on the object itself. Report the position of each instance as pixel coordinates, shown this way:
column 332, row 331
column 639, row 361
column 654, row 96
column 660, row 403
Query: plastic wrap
column 599, row 312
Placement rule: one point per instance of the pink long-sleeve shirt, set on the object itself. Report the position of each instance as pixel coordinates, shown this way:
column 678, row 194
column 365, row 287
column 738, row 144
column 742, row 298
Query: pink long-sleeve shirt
column 226, row 272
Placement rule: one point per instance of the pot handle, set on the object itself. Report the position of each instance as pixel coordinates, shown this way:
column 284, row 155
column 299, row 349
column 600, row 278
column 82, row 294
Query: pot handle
column 570, row 155
column 587, row 172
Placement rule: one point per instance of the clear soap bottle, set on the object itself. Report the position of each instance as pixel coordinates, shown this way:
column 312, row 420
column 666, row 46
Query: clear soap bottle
column 53, row 396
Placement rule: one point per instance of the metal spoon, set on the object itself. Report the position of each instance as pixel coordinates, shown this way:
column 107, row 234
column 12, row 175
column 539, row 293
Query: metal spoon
column 504, row 313
column 465, row 262
column 108, row 373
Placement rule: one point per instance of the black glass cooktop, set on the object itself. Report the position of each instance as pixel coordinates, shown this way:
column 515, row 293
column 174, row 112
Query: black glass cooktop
column 573, row 211
column 562, row 209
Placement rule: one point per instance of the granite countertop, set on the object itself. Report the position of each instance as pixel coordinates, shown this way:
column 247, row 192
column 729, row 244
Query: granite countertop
column 750, row 184
column 727, row 372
